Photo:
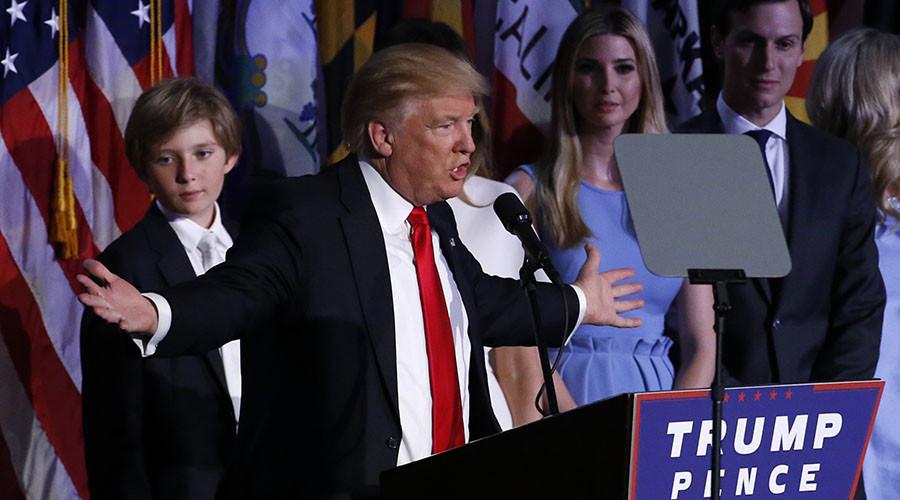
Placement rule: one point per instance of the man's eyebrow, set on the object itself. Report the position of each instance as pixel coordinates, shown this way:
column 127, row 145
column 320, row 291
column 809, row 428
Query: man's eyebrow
column 461, row 116
column 745, row 33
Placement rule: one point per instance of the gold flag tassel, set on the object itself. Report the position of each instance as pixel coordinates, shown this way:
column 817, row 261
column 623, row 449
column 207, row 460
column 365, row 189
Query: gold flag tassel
column 63, row 225
column 156, row 42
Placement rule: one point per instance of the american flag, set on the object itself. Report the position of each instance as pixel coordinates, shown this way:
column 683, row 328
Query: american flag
column 108, row 61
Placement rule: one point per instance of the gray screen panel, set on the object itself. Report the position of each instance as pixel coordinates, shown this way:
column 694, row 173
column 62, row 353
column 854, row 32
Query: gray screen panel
column 702, row 201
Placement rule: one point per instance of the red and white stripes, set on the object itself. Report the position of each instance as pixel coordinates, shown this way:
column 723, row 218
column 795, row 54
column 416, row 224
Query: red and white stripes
column 41, row 443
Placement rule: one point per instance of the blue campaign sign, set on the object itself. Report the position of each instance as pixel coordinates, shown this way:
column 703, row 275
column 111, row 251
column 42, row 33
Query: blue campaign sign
column 785, row 441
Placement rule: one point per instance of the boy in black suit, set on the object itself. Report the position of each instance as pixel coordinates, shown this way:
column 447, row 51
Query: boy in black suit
column 166, row 427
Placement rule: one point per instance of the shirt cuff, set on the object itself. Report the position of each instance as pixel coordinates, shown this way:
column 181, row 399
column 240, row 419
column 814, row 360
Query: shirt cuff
column 582, row 309
column 163, row 324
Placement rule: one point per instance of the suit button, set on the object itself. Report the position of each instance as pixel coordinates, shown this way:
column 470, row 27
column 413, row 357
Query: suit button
column 393, row 442
column 776, row 323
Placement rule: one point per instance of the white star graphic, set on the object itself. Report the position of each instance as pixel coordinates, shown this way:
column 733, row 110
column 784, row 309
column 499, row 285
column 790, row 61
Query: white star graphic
column 53, row 22
column 142, row 13
column 7, row 63
column 15, row 12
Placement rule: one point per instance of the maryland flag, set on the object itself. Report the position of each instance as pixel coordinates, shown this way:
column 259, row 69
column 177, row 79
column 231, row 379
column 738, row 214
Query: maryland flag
column 346, row 40
column 815, row 45
column 526, row 39
column 347, row 30
column 455, row 13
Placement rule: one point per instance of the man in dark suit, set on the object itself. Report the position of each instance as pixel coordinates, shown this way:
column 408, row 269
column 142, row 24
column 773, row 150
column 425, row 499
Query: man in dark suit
column 166, row 427
column 386, row 311
column 822, row 322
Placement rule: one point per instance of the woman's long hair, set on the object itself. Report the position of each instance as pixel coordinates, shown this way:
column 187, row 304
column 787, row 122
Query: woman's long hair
column 855, row 94
column 558, row 171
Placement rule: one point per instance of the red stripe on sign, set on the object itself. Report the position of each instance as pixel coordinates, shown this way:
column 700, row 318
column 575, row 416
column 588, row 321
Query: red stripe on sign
column 130, row 196
column 56, row 400
column 517, row 140
column 9, row 482
column 802, row 79
column 31, row 146
column 184, row 39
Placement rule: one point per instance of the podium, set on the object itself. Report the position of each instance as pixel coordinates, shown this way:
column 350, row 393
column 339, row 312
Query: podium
column 779, row 441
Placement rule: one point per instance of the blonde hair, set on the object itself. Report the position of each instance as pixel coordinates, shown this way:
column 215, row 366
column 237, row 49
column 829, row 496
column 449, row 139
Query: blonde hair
column 558, row 171
column 391, row 78
column 855, row 94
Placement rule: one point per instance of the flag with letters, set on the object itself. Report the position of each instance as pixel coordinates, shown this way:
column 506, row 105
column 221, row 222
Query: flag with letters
column 526, row 38
column 674, row 30
column 68, row 191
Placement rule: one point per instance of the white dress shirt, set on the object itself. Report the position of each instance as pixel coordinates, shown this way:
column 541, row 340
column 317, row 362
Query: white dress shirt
column 189, row 234
column 413, row 383
column 776, row 148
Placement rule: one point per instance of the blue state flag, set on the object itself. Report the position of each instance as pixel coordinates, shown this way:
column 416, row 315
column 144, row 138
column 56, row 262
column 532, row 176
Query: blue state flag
column 267, row 63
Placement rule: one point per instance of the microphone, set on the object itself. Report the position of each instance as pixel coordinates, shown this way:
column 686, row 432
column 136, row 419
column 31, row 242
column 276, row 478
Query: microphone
column 516, row 219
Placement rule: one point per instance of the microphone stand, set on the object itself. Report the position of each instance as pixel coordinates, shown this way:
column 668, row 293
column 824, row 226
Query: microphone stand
column 526, row 277
column 719, row 279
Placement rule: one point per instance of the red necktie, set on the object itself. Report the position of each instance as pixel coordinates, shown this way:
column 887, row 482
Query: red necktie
column 446, row 408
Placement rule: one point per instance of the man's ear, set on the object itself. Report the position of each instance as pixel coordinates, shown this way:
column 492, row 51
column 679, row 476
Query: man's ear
column 717, row 41
column 380, row 137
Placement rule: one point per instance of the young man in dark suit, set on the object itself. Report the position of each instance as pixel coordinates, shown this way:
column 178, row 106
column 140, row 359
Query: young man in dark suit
column 165, row 427
column 822, row 322
column 385, row 309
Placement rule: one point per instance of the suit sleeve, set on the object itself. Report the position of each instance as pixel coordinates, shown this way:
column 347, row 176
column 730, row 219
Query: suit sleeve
column 112, row 406
column 851, row 348
column 249, row 289
column 504, row 311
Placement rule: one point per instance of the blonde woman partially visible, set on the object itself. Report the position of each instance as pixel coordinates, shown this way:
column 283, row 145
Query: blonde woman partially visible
column 855, row 94
column 606, row 83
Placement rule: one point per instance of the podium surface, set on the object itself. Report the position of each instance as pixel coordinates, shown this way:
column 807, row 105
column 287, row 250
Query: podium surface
column 780, row 441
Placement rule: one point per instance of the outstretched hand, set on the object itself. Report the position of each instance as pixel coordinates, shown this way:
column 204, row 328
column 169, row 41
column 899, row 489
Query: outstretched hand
column 604, row 296
column 116, row 300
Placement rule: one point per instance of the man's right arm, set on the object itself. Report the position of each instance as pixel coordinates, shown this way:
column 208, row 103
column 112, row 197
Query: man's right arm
column 257, row 279
column 115, row 300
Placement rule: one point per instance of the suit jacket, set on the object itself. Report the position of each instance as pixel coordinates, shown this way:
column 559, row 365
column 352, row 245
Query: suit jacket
column 316, row 261
column 154, row 428
column 822, row 322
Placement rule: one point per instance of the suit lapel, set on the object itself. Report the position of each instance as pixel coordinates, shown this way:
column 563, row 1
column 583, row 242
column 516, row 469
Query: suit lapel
column 800, row 185
column 175, row 268
column 440, row 218
column 369, row 264
column 482, row 421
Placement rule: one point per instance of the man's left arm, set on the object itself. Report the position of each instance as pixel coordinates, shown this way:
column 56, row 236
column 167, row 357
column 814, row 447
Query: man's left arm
column 851, row 348
column 505, row 312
